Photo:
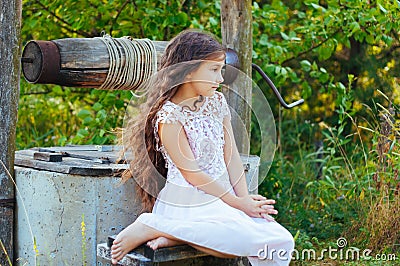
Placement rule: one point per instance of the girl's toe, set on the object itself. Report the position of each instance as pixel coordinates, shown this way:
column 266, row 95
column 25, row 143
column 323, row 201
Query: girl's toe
column 120, row 256
column 116, row 255
column 115, row 250
column 115, row 246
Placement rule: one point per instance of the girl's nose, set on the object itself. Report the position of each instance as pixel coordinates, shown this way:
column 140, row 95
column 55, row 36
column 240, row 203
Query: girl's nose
column 220, row 78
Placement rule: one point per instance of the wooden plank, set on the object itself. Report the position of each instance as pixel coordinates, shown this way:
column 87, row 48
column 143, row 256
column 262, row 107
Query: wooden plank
column 164, row 254
column 69, row 166
column 91, row 151
column 130, row 259
column 63, row 168
column 91, row 158
column 86, row 160
column 25, row 161
column 47, row 156
column 94, row 153
column 180, row 252
column 10, row 13
column 98, row 157
column 71, row 148
column 92, row 147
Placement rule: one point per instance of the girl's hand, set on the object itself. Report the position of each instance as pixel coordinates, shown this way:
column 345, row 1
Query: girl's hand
column 256, row 206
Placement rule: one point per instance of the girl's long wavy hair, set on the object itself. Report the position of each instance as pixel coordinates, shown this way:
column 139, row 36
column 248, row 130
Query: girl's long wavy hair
column 139, row 137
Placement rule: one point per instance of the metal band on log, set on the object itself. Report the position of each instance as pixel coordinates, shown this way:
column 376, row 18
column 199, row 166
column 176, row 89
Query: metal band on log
column 73, row 62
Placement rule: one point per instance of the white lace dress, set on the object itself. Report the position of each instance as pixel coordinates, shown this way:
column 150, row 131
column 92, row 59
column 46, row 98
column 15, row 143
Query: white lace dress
column 189, row 214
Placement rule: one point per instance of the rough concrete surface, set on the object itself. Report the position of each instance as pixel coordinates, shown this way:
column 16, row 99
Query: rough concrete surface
column 56, row 204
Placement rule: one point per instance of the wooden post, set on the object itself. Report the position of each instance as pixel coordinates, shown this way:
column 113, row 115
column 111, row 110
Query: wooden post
column 236, row 27
column 10, row 29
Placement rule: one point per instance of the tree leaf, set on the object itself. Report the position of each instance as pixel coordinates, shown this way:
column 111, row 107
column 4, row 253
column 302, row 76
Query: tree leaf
column 354, row 27
column 84, row 113
column 285, row 36
column 264, row 39
column 382, row 9
column 306, row 91
column 97, row 106
column 182, row 18
column 370, row 39
column 318, row 7
column 325, row 51
column 305, row 65
column 83, row 132
column 87, row 120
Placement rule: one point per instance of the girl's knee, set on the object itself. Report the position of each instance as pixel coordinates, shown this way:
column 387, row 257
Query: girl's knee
column 286, row 238
column 291, row 242
column 286, row 245
column 288, row 242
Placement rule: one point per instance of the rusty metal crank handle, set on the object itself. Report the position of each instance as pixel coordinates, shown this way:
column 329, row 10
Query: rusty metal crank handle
column 275, row 90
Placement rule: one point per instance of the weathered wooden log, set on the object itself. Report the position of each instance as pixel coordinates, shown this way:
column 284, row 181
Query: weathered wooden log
column 73, row 62
column 83, row 62
column 10, row 32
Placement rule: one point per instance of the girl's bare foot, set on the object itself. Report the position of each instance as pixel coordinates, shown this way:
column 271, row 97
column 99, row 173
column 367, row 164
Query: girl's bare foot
column 162, row 242
column 127, row 240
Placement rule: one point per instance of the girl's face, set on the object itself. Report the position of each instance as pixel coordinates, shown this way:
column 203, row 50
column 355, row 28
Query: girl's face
column 206, row 79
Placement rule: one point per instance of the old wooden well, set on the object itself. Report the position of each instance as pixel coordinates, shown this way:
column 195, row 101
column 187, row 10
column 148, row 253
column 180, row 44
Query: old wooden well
column 59, row 188
column 69, row 200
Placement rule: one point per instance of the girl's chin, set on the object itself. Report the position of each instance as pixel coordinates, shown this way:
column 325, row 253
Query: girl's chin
column 211, row 92
column 208, row 93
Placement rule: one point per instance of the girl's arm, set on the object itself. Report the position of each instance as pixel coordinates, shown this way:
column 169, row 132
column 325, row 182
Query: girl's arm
column 233, row 162
column 236, row 171
column 175, row 141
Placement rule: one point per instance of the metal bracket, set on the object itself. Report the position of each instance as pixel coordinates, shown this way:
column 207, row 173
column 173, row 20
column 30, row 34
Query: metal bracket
column 231, row 73
column 275, row 90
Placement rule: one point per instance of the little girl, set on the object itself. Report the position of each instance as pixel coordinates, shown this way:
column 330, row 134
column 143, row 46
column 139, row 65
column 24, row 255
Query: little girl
column 184, row 128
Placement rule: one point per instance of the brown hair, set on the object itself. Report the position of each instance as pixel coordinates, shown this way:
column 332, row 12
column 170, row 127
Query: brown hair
column 139, row 136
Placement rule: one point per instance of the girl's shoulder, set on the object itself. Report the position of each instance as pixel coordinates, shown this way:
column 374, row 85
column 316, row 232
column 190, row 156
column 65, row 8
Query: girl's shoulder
column 219, row 104
column 218, row 97
column 169, row 113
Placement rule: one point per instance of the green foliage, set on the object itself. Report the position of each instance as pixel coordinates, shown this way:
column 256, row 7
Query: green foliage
column 311, row 47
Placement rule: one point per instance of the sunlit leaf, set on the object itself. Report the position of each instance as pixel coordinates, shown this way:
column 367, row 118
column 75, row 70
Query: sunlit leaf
column 318, row 7
column 305, row 65
column 84, row 113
